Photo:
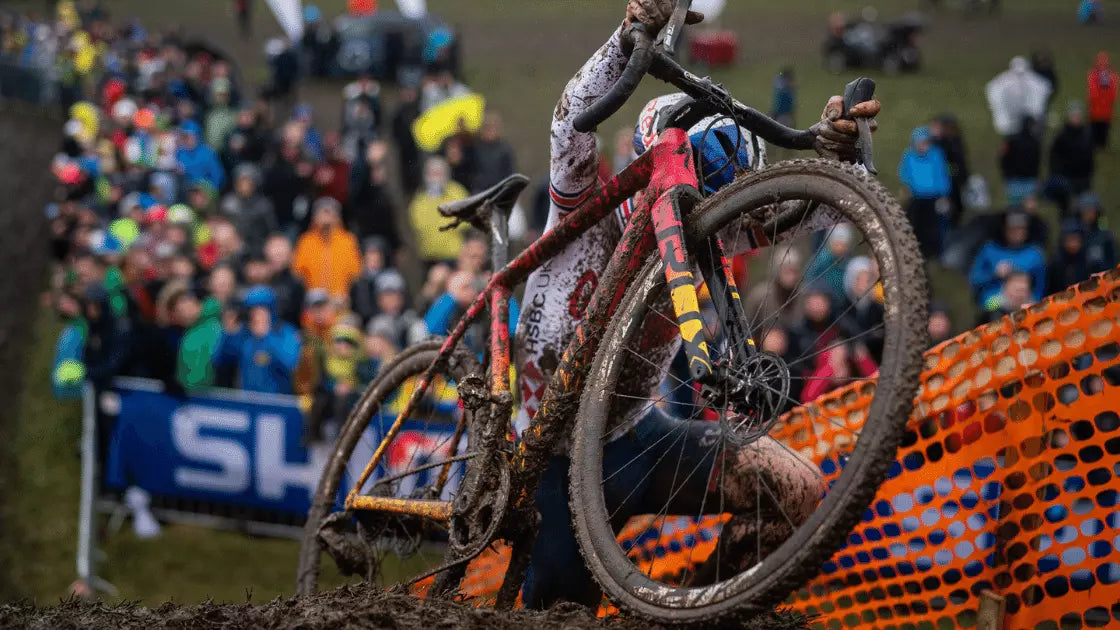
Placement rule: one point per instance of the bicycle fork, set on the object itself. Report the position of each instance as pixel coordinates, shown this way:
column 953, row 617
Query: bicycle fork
column 668, row 228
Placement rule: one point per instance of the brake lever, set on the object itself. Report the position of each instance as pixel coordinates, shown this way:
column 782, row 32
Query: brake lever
column 856, row 92
column 669, row 37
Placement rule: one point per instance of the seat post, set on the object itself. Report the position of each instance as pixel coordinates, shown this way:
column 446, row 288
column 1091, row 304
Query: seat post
column 499, row 236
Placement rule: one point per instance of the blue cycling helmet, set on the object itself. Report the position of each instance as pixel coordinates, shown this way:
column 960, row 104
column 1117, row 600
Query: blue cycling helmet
column 721, row 148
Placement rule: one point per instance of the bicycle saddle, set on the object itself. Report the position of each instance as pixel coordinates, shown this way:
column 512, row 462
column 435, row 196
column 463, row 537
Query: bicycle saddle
column 476, row 208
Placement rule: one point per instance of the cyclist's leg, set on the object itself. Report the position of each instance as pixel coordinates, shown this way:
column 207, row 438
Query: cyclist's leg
column 556, row 571
column 761, row 483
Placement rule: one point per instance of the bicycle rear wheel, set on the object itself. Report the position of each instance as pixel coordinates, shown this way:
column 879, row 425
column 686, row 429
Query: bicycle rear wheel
column 694, row 460
column 437, row 432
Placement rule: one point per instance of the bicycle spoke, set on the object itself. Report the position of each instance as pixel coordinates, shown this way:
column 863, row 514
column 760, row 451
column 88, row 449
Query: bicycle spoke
column 829, row 418
column 778, row 504
column 659, row 399
column 450, row 460
column 770, row 284
column 757, row 510
column 722, row 459
column 773, row 318
column 664, row 516
column 682, row 429
column 636, row 457
column 839, row 317
column 846, row 379
column 801, row 280
column 704, row 499
column 664, row 511
column 836, row 344
column 652, row 364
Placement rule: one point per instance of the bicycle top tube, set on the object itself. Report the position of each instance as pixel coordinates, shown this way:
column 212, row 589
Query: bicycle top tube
column 645, row 171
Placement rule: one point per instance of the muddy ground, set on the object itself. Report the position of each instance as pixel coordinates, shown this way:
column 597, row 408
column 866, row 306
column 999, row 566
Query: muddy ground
column 346, row 607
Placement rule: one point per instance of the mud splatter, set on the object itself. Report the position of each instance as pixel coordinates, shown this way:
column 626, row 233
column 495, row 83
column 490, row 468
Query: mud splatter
column 346, row 607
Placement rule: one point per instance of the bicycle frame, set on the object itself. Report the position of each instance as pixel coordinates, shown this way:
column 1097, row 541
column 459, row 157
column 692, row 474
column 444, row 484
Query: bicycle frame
column 665, row 182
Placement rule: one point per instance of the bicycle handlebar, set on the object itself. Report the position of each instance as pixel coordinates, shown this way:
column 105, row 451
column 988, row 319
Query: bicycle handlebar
column 667, row 69
column 640, row 60
column 649, row 56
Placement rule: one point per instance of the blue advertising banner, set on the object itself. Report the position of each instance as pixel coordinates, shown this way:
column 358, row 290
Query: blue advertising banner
column 234, row 447
column 245, row 449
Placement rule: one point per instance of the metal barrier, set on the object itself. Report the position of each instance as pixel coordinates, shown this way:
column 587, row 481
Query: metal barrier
column 88, row 581
column 27, row 84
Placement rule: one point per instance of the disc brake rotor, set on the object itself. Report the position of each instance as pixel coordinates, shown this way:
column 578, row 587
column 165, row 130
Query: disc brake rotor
column 755, row 393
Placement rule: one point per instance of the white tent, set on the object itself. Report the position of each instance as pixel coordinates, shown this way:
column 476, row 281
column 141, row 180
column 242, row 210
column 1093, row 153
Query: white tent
column 289, row 13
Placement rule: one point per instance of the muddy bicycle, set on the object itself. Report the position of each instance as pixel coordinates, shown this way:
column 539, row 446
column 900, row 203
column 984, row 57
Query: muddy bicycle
column 429, row 452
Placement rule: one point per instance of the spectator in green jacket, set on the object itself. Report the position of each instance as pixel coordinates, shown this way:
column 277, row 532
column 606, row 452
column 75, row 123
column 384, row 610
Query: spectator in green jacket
column 202, row 322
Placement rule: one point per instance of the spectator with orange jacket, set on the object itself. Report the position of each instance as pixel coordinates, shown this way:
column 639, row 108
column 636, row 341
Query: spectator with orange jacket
column 1103, row 82
column 327, row 255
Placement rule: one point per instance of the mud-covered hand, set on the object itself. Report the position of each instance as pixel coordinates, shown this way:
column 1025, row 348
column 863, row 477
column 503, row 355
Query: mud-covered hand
column 836, row 136
column 656, row 13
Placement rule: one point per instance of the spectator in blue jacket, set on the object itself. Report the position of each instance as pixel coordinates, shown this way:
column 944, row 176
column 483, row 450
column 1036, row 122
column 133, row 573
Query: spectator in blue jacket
column 108, row 337
column 1100, row 243
column 265, row 349
column 198, row 161
column 445, row 312
column 785, row 97
column 996, row 261
column 924, row 172
column 69, row 370
column 449, row 307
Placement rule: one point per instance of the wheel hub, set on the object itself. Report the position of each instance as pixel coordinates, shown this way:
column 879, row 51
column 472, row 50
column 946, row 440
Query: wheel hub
column 753, row 391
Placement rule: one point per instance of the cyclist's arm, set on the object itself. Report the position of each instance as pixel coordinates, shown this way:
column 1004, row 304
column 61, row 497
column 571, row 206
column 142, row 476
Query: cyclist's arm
column 575, row 156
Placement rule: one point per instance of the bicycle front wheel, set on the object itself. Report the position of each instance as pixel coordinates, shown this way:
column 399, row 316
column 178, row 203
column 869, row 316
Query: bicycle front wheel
column 711, row 479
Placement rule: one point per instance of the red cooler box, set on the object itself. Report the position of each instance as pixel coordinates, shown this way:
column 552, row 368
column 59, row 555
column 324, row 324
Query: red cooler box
column 714, row 48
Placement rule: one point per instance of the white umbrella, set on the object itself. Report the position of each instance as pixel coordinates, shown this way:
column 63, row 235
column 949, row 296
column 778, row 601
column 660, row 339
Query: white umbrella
column 289, row 13
column 413, row 9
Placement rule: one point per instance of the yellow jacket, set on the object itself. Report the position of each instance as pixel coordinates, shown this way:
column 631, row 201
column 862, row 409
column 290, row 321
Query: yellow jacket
column 426, row 220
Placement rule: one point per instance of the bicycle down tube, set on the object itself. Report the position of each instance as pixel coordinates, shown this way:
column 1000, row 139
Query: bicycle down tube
column 665, row 168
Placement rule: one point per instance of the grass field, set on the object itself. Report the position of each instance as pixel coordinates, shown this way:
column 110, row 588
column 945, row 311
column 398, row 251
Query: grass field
column 520, row 54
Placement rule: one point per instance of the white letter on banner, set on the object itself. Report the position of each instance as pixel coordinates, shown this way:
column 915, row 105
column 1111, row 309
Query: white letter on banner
column 274, row 473
column 229, row 456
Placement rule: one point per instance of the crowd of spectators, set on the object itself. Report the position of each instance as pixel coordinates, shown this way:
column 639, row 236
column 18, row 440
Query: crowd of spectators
column 1009, row 256
column 825, row 308
column 205, row 237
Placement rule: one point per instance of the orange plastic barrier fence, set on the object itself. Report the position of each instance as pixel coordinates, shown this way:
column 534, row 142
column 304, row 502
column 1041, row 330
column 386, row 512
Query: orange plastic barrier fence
column 1008, row 481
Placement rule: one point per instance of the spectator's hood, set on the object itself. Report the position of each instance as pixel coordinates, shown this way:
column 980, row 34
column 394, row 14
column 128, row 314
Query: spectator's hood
column 211, row 309
column 920, row 134
column 260, row 296
column 191, row 128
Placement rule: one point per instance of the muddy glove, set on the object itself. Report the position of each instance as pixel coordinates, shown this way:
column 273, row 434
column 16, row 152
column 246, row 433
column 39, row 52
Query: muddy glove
column 835, row 136
column 656, row 13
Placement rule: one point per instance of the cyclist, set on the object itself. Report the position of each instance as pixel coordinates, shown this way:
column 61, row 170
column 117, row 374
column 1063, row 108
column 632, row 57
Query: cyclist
column 556, row 296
